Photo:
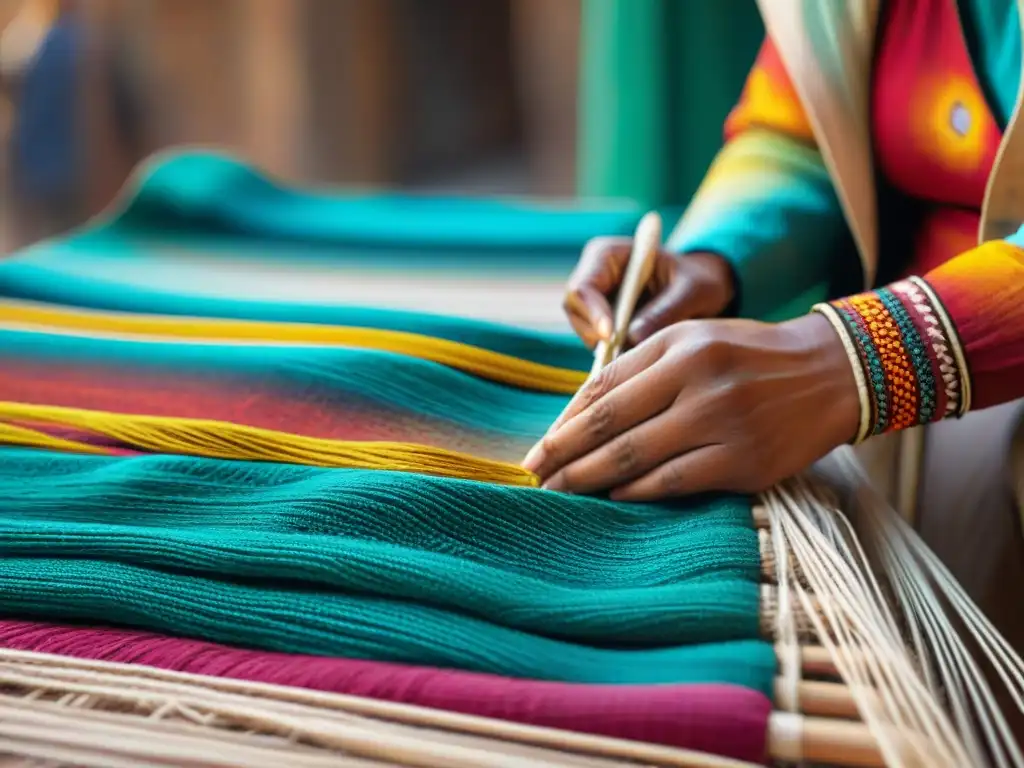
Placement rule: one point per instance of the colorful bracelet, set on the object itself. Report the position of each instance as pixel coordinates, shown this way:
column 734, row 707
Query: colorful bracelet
column 907, row 358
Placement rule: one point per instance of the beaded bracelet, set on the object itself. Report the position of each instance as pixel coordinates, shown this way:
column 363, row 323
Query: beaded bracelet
column 906, row 356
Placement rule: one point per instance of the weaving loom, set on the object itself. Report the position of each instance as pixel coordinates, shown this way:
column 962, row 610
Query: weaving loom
column 288, row 530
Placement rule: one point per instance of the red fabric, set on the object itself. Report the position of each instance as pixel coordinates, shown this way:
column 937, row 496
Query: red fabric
column 935, row 136
column 981, row 291
column 186, row 393
column 717, row 719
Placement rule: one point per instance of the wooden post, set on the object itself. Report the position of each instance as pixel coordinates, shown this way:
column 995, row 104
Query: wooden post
column 275, row 85
column 546, row 35
column 353, row 58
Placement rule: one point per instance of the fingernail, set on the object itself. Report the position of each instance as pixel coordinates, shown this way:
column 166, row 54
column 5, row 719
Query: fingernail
column 554, row 484
column 533, row 458
column 604, row 328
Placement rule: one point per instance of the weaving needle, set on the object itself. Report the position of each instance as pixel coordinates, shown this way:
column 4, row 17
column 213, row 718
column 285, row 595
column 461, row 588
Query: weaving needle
column 639, row 268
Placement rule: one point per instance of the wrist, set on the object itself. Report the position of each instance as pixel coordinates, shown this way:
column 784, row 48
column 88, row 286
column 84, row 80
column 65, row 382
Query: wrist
column 834, row 360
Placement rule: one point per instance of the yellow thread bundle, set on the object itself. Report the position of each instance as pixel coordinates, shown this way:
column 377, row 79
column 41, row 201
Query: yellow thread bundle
column 484, row 363
column 12, row 434
column 225, row 440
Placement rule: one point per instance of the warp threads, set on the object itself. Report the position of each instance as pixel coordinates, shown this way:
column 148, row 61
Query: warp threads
column 904, row 347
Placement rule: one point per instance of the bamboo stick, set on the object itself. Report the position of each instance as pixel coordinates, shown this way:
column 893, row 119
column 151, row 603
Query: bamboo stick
column 822, row 699
column 639, row 269
column 793, row 738
column 769, row 565
column 325, row 730
column 816, row 660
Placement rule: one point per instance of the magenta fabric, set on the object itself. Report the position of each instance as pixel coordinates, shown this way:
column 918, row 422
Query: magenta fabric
column 719, row 719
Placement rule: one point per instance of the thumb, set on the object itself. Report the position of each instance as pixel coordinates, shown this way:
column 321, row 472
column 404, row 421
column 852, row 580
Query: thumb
column 591, row 306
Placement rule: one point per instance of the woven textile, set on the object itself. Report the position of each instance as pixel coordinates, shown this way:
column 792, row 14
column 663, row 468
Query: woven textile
column 202, row 234
column 390, row 566
column 578, row 612
column 721, row 719
column 338, row 393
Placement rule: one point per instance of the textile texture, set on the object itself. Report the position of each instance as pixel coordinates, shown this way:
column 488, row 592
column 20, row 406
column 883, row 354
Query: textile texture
column 721, row 719
column 503, row 600
column 391, row 566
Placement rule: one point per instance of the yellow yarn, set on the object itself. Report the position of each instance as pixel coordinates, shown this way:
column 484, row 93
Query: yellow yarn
column 484, row 363
column 225, row 440
column 13, row 434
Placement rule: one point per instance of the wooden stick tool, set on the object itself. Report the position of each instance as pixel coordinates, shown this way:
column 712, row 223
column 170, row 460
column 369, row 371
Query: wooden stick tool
column 639, row 269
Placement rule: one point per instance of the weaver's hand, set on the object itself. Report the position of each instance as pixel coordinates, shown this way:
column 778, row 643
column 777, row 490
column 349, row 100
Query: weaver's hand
column 683, row 287
column 705, row 405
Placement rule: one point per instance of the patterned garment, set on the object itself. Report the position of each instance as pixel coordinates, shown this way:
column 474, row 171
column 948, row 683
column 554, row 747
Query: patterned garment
column 768, row 206
column 935, row 135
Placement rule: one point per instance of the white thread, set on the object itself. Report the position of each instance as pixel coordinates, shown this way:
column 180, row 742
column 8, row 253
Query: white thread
column 257, row 725
column 853, row 621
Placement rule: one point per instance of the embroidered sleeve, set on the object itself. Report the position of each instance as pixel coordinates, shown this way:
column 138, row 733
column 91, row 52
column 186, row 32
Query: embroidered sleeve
column 909, row 354
column 937, row 346
column 767, row 204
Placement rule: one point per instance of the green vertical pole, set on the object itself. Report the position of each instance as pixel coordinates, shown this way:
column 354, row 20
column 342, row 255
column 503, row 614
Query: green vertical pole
column 657, row 80
column 624, row 102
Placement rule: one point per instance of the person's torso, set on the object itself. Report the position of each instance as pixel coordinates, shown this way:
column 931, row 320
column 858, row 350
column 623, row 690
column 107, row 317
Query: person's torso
column 934, row 128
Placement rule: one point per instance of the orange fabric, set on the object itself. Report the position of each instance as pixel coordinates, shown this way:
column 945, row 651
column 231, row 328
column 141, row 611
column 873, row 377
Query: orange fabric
column 887, row 339
column 983, row 292
column 769, row 100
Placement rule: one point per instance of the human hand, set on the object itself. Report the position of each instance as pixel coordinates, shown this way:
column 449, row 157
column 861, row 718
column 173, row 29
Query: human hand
column 705, row 405
column 682, row 287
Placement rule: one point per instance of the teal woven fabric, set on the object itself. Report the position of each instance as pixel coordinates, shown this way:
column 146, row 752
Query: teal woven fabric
column 186, row 206
column 387, row 566
column 190, row 206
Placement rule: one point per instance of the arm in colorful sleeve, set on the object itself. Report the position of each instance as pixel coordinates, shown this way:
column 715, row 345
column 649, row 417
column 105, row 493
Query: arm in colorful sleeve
column 768, row 206
column 937, row 346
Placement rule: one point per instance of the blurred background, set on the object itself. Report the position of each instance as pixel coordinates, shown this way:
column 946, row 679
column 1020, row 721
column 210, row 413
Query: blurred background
column 554, row 98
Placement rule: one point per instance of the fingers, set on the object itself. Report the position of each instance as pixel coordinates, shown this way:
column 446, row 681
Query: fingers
column 675, row 304
column 596, row 277
column 612, row 402
column 591, row 321
column 705, row 469
column 631, row 455
column 617, row 373
column 696, row 285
